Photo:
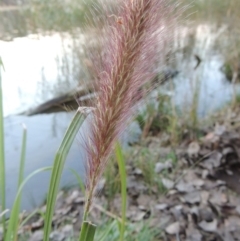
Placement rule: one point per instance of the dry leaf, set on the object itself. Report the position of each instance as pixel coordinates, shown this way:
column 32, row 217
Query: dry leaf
column 173, row 228
column 208, row 226
column 193, row 149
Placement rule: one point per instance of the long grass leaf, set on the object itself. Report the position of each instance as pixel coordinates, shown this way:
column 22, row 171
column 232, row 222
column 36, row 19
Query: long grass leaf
column 28, row 217
column 87, row 231
column 106, row 233
column 79, row 179
column 20, row 180
column 58, row 165
column 10, row 231
column 4, row 212
column 2, row 157
column 123, row 178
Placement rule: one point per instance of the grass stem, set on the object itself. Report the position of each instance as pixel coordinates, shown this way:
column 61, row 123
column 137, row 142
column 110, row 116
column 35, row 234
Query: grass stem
column 2, row 158
column 123, row 177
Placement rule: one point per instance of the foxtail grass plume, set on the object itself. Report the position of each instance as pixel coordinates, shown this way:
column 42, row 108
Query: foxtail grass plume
column 132, row 45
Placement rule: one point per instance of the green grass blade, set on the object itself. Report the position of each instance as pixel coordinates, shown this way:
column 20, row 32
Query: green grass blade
column 87, row 232
column 79, row 179
column 1, row 64
column 123, row 177
column 28, row 217
column 58, row 165
column 2, row 158
column 106, row 233
column 10, row 231
column 4, row 212
column 20, row 180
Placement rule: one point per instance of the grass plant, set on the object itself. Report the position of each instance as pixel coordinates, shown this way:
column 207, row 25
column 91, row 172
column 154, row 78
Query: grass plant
column 2, row 157
column 20, row 181
column 109, row 232
column 58, row 165
column 123, row 176
column 41, row 16
column 11, row 231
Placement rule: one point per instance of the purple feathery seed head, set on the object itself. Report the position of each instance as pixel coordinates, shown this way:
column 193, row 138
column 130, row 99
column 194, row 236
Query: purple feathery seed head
column 132, row 44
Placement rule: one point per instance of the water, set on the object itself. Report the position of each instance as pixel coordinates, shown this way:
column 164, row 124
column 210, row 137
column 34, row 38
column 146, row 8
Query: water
column 207, row 80
column 38, row 68
column 44, row 134
column 51, row 66
column 213, row 89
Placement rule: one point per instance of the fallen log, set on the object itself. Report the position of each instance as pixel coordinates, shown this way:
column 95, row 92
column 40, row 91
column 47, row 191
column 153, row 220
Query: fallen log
column 83, row 95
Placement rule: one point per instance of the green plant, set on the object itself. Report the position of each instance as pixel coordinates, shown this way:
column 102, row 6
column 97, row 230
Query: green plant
column 58, row 168
column 2, row 157
column 123, row 176
column 51, row 15
column 20, row 181
column 109, row 231
column 147, row 167
column 154, row 118
column 113, row 182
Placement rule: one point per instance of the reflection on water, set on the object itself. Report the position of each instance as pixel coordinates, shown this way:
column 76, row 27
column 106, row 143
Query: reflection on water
column 44, row 134
column 38, row 68
column 213, row 88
